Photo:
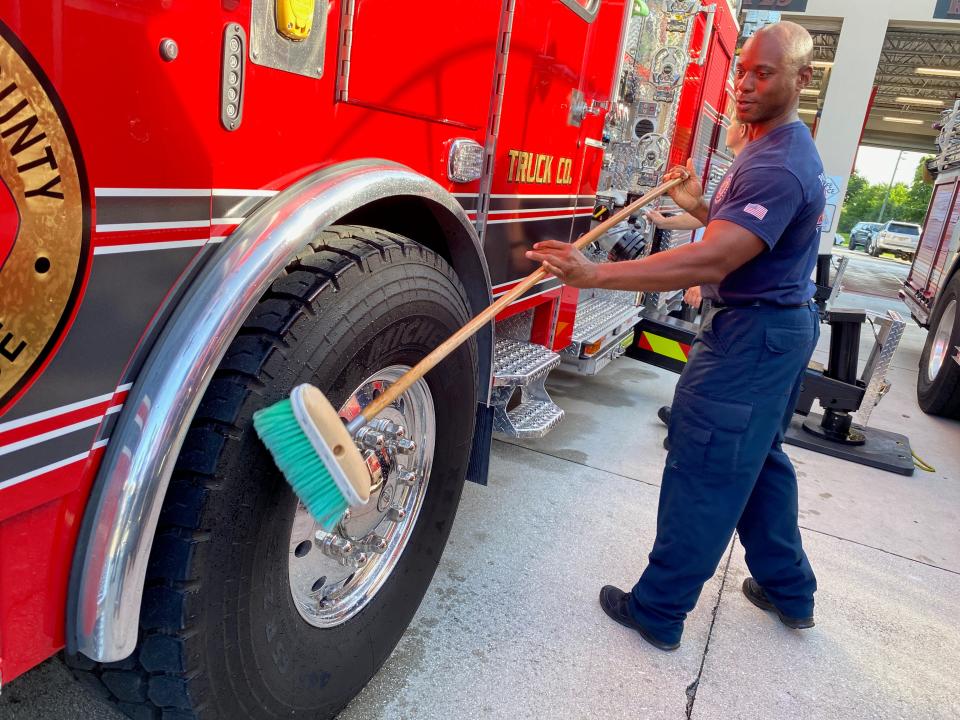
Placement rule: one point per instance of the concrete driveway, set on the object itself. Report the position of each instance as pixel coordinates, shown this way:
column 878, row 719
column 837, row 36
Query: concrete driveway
column 866, row 275
column 511, row 627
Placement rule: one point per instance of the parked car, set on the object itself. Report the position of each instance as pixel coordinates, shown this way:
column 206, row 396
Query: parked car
column 899, row 238
column 862, row 233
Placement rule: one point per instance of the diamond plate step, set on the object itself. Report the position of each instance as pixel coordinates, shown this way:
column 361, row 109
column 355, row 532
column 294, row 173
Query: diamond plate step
column 531, row 419
column 521, row 367
column 889, row 329
column 518, row 363
column 598, row 316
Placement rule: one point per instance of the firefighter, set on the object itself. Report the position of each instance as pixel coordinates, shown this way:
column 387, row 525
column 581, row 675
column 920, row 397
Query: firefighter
column 726, row 469
column 736, row 140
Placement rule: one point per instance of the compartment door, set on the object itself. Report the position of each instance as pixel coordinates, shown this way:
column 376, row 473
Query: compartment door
column 538, row 160
column 429, row 59
column 933, row 231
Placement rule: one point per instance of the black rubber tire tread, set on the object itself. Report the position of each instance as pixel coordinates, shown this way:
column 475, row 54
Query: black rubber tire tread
column 942, row 396
column 158, row 680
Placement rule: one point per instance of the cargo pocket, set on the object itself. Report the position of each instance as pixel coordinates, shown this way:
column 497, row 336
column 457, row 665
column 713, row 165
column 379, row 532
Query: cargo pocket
column 688, row 446
column 783, row 340
column 706, row 434
column 785, row 352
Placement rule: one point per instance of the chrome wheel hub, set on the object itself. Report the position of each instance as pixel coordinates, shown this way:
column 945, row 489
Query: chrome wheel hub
column 940, row 347
column 334, row 575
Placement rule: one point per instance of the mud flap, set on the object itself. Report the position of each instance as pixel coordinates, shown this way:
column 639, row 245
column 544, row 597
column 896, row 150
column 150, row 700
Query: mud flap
column 479, row 467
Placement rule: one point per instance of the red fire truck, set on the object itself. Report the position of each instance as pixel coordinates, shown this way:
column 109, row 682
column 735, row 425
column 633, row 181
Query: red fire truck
column 204, row 204
column 932, row 289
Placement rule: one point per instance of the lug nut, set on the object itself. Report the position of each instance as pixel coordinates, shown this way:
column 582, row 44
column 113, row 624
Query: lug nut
column 405, row 445
column 372, row 543
column 406, row 477
column 383, row 425
column 395, row 513
column 370, row 438
column 360, row 560
column 333, row 545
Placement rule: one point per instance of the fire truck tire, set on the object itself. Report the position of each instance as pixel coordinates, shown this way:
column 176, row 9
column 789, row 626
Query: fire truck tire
column 220, row 636
column 938, row 382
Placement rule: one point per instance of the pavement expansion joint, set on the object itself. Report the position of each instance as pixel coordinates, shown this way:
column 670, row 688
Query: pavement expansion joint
column 878, row 549
column 691, row 690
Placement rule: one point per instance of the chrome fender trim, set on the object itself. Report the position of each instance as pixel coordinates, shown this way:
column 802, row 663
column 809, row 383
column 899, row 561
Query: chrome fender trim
column 110, row 563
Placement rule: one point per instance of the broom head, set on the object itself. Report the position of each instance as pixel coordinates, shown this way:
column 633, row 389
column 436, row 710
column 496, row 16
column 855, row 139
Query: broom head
column 315, row 453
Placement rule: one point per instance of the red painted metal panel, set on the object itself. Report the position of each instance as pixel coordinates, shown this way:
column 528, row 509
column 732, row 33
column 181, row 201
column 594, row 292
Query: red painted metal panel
column 36, row 551
column 703, row 99
column 439, row 84
column 566, row 315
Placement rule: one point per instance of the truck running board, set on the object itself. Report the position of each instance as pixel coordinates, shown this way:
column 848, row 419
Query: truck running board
column 602, row 332
column 524, row 367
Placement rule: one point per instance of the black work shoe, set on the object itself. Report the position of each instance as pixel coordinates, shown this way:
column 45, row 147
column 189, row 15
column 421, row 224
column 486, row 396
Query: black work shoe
column 664, row 414
column 756, row 595
column 614, row 603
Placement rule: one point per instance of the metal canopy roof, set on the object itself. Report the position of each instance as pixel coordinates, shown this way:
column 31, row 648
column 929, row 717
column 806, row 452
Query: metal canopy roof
column 905, row 50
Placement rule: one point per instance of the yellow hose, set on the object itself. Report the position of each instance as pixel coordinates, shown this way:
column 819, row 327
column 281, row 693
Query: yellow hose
column 922, row 464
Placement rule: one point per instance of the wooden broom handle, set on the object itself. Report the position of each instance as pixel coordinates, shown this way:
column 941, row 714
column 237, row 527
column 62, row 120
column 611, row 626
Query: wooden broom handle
column 463, row 334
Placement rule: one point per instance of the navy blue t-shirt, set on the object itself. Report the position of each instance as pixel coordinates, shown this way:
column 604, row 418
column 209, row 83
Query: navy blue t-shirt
column 774, row 189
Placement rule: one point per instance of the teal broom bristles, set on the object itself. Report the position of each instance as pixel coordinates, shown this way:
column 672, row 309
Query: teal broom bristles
column 296, row 458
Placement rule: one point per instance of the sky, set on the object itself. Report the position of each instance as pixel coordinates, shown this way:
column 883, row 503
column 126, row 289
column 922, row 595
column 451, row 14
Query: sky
column 877, row 164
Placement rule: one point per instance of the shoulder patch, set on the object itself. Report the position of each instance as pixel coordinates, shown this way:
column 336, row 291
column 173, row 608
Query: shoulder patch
column 722, row 190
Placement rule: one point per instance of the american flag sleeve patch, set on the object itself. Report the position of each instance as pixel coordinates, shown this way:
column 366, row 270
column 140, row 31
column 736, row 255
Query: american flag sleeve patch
column 758, row 211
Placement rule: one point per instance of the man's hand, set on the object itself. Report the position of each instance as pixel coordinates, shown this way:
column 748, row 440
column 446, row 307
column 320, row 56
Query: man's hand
column 693, row 297
column 658, row 219
column 681, row 221
column 566, row 262
column 688, row 194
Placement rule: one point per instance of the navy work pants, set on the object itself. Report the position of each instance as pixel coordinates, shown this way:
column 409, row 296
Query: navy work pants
column 726, row 469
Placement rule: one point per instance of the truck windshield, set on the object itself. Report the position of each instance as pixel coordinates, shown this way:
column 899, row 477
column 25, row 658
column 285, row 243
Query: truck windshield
column 904, row 229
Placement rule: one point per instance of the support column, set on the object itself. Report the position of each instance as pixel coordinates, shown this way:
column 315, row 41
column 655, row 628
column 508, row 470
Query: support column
column 845, row 106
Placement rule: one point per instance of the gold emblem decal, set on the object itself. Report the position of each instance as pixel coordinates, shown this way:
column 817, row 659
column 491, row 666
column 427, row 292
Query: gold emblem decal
column 43, row 227
column 527, row 167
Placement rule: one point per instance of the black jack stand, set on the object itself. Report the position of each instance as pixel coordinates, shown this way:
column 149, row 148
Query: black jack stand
column 661, row 341
column 840, row 393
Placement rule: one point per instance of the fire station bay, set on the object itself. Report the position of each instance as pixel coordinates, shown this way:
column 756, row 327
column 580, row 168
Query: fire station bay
column 482, row 359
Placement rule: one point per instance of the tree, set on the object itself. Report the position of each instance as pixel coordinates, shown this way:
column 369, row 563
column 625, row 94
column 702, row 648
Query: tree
column 863, row 200
column 861, row 203
column 855, row 186
column 915, row 207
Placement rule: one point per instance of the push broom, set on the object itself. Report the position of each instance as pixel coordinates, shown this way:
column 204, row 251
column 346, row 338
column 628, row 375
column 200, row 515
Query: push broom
column 315, row 450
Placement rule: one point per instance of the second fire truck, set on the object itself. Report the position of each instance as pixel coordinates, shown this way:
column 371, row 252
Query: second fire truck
column 932, row 288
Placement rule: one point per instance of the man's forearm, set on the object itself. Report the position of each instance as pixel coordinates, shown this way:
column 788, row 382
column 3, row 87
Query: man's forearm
column 683, row 221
